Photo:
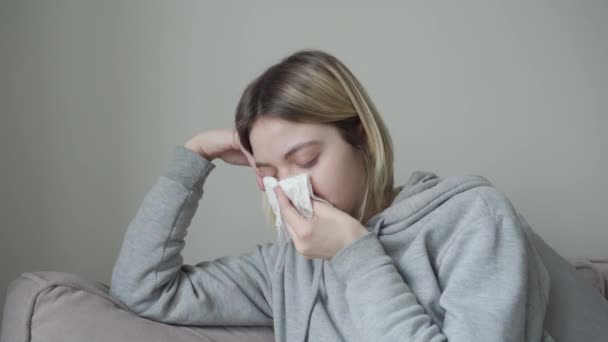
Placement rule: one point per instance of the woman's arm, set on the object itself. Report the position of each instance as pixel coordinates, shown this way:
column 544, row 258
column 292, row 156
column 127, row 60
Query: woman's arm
column 494, row 288
column 149, row 275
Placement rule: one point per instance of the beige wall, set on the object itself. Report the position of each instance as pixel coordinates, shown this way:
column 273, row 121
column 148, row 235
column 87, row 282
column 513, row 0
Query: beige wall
column 95, row 94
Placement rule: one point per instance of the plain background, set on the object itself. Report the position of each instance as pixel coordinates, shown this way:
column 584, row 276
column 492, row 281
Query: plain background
column 95, row 94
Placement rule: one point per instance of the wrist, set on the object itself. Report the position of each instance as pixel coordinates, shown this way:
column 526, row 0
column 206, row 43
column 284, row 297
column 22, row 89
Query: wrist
column 355, row 235
column 196, row 148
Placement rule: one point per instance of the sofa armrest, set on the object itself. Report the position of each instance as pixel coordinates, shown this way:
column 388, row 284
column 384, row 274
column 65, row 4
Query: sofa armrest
column 56, row 306
column 595, row 270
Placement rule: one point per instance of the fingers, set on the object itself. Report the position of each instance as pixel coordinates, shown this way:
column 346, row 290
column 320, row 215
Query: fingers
column 237, row 143
column 293, row 234
column 258, row 176
column 250, row 159
column 248, row 155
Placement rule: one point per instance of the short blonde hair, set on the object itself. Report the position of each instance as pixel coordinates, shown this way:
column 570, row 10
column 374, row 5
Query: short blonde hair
column 312, row 86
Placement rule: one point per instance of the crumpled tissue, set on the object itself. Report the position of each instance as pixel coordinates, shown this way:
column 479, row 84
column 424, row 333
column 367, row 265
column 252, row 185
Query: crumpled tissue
column 299, row 190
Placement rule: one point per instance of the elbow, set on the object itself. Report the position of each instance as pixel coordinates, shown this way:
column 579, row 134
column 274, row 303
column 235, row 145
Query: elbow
column 134, row 296
column 123, row 295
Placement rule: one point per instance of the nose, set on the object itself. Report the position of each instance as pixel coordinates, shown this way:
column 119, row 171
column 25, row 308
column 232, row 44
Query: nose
column 282, row 175
column 286, row 173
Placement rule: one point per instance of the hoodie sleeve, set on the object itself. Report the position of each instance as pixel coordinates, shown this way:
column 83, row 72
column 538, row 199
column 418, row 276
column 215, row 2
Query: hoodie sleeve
column 149, row 275
column 492, row 288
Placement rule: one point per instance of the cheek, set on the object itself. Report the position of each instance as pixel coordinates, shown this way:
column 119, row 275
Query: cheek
column 321, row 181
column 336, row 182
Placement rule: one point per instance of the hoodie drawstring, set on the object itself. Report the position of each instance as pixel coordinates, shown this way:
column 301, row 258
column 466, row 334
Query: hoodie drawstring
column 313, row 300
column 317, row 278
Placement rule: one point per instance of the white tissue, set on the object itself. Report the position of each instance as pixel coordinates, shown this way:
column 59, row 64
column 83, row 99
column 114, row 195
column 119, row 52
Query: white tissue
column 299, row 190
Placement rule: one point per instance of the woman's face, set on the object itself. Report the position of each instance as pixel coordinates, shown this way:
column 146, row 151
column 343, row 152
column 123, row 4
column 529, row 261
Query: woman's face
column 283, row 149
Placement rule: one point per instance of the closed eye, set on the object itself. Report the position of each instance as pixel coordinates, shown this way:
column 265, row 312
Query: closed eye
column 310, row 163
column 307, row 165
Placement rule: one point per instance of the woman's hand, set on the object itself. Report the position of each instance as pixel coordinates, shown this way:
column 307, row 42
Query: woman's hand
column 226, row 145
column 323, row 235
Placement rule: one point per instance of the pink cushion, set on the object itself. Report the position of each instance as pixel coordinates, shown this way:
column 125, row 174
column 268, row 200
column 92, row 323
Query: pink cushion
column 56, row 306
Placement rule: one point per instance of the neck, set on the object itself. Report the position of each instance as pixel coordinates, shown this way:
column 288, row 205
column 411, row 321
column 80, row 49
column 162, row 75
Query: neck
column 389, row 203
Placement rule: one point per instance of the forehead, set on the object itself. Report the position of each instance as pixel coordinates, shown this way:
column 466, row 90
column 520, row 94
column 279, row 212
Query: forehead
column 276, row 131
column 274, row 135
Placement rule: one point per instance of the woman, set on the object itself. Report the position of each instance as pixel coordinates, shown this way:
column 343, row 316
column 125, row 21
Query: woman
column 432, row 260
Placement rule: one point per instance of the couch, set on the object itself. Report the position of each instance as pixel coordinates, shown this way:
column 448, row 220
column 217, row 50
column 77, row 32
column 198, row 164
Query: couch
column 56, row 306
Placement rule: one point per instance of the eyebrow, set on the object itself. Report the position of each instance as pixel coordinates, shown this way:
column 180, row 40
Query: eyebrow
column 292, row 151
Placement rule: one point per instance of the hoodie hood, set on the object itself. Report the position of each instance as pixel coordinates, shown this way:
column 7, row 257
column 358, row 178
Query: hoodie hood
column 423, row 192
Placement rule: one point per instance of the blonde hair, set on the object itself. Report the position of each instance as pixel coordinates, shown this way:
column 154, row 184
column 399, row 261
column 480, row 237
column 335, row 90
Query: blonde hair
column 312, row 86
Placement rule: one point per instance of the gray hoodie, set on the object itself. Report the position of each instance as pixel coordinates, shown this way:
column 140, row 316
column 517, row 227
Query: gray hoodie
column 450, row 259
